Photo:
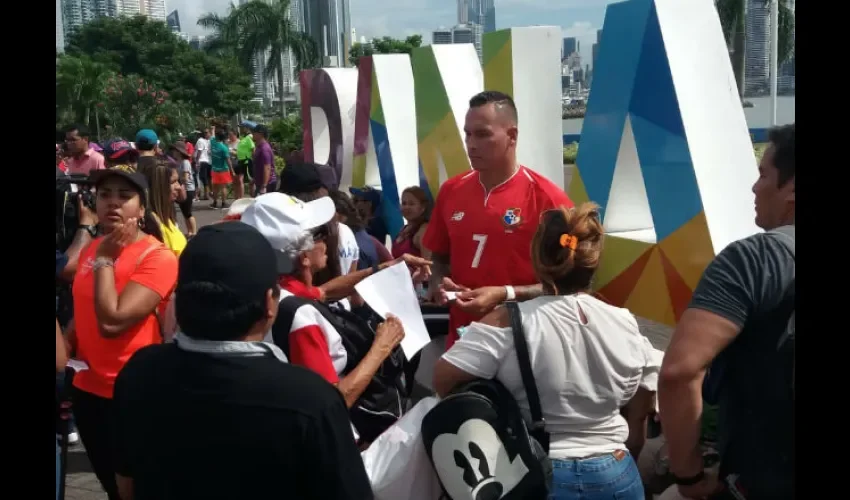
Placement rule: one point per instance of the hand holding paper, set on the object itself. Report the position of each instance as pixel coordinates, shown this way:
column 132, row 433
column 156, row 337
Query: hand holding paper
column 391, row 292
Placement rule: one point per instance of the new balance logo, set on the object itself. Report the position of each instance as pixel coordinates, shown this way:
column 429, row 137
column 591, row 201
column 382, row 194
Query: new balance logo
column 457, row 216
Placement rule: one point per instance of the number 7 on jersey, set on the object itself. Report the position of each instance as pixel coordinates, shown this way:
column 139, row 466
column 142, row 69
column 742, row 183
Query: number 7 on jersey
column 481, row 239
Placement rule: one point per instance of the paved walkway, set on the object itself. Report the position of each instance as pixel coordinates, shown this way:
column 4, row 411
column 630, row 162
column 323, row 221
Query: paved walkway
column 81, row 481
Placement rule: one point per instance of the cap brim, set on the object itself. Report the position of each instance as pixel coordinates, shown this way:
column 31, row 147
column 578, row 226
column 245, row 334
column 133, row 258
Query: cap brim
column 239, row 206
column 319, row 212
column 97, row 176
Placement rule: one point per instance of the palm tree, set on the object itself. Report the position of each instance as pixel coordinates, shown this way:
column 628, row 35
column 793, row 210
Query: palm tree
column 268, row 27
column 225, row 37
column 80, row 84
column 733, row 16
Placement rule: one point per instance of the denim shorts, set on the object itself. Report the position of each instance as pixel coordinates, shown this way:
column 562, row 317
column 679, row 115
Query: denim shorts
column 613, row 475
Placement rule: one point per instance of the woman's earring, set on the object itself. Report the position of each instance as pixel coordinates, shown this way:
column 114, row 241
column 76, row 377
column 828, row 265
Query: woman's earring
column 141, row 222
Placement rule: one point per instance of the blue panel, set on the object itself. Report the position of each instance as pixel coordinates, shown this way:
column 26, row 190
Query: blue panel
column 609, row 99
column 660, row 138
column 423, row 183
column 390, row 206
column 757, row 135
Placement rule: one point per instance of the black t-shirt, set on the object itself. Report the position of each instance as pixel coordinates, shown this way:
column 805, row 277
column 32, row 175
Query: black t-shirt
column 193, row 426
column 751, row 283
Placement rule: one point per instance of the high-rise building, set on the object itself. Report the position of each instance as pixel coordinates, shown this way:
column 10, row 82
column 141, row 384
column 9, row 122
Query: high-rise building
column 441, row 36
column 75, row 13
column 60, row 29
column 468, row 33
column 328, row 22
column 757, row 64
column 482, row 13
column 154, row 9
column 570, row 45
column 463, row 11
column 173, row 21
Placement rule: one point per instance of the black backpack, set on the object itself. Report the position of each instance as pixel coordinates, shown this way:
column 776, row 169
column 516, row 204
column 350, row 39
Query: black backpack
column 479, row 443
column 385, row 398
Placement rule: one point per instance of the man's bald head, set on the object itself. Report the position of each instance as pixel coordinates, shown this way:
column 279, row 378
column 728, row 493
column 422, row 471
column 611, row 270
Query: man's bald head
column 502, row 103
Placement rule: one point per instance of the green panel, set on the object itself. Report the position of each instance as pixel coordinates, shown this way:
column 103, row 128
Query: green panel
column 432, row 103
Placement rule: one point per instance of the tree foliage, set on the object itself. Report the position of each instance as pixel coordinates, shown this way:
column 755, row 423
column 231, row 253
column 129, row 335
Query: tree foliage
column 287, row 133
column 131, row 103
column 138, row 46
column 385, row 45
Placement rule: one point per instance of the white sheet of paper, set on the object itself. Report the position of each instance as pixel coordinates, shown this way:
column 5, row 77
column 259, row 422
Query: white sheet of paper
column 391, row 291
column 77, row 365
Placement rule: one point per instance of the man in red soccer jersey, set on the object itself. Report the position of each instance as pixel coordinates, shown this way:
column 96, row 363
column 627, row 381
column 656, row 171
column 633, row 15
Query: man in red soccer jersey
column 483, row 221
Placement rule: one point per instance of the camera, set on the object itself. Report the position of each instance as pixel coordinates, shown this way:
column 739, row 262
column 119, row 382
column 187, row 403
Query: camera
column 69, row 190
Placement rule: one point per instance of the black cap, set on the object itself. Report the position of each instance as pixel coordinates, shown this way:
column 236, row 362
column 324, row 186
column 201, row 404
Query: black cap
column 300, row 178
column 232, row 255
column 136, row 179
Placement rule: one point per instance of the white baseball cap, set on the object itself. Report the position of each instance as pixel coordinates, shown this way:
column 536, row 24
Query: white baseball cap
column 239, row 206
column 281, row 219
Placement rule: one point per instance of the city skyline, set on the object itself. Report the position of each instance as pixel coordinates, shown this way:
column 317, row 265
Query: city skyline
column 401, row 18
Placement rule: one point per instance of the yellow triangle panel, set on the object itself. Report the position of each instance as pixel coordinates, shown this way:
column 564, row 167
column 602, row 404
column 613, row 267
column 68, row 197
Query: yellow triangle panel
column 617, row 255
column 577, row 192
column 689, row 249
column 651, row 298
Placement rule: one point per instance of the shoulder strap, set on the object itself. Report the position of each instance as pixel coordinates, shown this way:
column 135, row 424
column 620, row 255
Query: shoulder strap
column 145, row 252
column 283, row 323
column 538, row 423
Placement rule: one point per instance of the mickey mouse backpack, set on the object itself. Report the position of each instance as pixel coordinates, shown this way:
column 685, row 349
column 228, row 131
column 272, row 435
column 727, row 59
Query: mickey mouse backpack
column 480, row 445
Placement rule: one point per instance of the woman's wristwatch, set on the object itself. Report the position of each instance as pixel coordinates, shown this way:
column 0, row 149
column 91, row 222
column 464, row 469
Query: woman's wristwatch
column 92, row 230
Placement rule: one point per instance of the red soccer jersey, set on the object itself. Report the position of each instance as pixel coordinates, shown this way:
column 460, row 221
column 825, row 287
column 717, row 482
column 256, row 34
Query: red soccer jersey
column 488, row 236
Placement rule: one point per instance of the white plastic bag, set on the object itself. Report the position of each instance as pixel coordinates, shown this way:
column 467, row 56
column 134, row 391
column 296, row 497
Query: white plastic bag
column 397, row 463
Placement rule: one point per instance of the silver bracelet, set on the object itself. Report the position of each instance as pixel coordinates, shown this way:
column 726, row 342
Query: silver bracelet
column 102, row 262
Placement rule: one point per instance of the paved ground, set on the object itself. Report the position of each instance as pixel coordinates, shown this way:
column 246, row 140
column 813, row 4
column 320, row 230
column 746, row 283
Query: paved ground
column 82, row 483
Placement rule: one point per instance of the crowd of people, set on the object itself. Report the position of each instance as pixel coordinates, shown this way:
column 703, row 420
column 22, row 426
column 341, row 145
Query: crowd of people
column 237, row 360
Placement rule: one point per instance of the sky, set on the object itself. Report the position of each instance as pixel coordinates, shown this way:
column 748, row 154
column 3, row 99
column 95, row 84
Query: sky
column 400, row 18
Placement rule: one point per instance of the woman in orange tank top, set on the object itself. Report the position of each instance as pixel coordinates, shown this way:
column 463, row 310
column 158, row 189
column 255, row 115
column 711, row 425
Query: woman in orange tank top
column 121, row 284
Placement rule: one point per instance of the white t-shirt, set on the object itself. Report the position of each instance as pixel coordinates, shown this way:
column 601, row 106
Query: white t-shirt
column 202, row 146
column 186, row 167
column 349, row 251
column 584, row 372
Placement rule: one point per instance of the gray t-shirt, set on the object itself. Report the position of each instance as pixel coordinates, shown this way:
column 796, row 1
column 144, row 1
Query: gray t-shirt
column 752, row 284
column 186, row 167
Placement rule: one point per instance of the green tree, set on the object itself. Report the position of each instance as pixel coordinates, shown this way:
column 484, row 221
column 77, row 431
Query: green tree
column 287, row 133
column 138, row 46
column 131, row 103
column 385, row 45
column 733, row 17
column 80, row 82
column 267, row 27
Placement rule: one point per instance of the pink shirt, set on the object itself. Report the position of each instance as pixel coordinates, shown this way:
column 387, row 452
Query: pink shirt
column 90, row 160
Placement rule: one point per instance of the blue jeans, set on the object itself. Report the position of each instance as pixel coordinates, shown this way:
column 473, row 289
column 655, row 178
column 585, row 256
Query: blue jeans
column 614, row 475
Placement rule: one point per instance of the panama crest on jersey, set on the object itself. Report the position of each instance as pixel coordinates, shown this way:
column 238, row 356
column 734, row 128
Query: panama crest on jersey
column 512, row 217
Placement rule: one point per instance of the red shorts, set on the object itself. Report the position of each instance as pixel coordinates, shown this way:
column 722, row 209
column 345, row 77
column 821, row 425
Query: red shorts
column 221, row 178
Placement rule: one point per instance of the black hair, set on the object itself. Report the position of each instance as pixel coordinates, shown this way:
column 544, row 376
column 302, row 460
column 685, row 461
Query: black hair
column 782, row 139
column 345, row 207
column 145, row 146
column 211, row 311
column 221, row 134
column 262, row 130
column 81, row 129
column 503, row 102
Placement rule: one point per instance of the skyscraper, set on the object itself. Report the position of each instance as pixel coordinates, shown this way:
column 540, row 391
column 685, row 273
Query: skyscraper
column 757, row 65
column 570, row 45
column 154, row 9
column 328, row 22
column 60, row 29
column 173, row 21
column 481, row 12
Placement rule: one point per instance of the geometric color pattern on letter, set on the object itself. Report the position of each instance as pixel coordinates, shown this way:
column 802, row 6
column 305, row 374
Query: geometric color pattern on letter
column 445, row 78
column 524, row 63
column 665, row 152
